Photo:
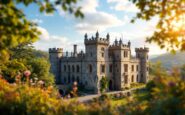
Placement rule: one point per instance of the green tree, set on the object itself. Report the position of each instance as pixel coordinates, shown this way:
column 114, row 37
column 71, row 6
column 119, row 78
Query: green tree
column 39, row 68
column 15, row 29
column 170, row 29
column 103, row 84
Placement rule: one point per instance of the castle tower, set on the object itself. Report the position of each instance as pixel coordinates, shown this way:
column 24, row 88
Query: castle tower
column 121, row 60
column 96, row 51
column 54, row 56
column 142, row 55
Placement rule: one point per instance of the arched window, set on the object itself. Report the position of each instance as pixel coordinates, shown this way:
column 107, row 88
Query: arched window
column 69, row 69
column 132, row 78
column 73, row 68
column 90, row 68
column 77, row 69
column 64, row 68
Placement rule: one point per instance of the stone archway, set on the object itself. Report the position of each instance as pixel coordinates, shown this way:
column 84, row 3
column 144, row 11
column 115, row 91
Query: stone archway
column 110, row 85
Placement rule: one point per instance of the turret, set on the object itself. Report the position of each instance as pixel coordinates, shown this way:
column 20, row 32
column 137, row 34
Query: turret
column 142, row 55
column 54, row 56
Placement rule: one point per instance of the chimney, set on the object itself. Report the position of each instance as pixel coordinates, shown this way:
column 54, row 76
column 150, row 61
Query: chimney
column 75, row 50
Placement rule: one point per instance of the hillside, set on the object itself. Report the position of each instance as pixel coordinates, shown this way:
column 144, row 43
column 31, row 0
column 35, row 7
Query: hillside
column 169, row 60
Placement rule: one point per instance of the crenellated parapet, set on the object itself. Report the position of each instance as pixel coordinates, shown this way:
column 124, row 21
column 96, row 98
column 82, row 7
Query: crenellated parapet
column 96, row 39
column 141, row 49
column 55, row 50
column 119, row 45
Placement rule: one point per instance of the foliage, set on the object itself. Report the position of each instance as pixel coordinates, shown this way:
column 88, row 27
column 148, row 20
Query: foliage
column 103, row 84
column 156, row 69
column 16, row 29
column 163, row 95
column 40, row 68
column 23, row 99
column 23, row 58
column 182, row 69
column 170, row 29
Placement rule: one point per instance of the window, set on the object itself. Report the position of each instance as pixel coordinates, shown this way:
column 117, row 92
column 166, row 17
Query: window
column 125, row 53
column 102, row 49
column 73, row 79
column 64, row 68
column 132, row 78
column 137, row 78
column 103, row 68
column 110, row 68
column 102, row 54
column 132, row 67
column 73, row 68
column 69, row 69
column 126, row 79
column 137, row 67
column 90, row 68
column 91, row 54
column 77, row 69
column 125, row 67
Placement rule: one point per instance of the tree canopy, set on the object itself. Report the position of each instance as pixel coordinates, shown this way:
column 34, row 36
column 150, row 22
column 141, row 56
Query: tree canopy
column 15, row 29
column 170, row 30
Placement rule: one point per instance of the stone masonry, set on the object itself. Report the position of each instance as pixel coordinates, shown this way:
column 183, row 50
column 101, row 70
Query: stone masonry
column 100, row 59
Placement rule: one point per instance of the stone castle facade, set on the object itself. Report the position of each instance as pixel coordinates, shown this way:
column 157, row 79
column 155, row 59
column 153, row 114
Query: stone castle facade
column 100, row 59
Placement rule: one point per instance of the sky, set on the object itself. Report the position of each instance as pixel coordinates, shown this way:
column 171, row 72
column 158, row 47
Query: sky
column 62, row 30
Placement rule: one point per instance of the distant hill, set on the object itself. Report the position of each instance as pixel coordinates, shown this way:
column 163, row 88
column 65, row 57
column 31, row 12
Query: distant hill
column 41, row 54
column 169, row 60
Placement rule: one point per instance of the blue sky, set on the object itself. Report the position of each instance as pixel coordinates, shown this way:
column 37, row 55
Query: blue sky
column 107, row 16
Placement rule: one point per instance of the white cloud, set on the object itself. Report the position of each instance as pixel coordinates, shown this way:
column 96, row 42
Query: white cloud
column 88, row 5
column 96, row 20
column 37, row 20
column 44, row 33
column 123, row 5
column 50, row 41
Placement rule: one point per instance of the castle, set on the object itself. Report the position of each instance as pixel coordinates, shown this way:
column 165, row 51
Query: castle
column 100, row 59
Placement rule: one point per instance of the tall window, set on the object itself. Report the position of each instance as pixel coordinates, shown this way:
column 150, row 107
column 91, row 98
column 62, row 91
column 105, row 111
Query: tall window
column 125, row 67
column 110, row 68
column 90, row 68
column 64, row 68
column 132, row 78
column 103, row 68
column 69, row 69
column 77, row 69
column 137, row 67
column 132, row 67
column 73, row 68
column 125, row 53
column 102, row 54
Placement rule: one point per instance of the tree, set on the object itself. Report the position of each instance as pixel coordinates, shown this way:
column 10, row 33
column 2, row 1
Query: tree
column 103, row 84
column 39, row 68
column 15, row 29
column 170, row 30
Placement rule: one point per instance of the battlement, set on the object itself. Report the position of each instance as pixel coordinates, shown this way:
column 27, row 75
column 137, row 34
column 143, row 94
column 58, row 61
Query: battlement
column 96, row 40
column 120, row 44
column 141, row 49
column 55, row 50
